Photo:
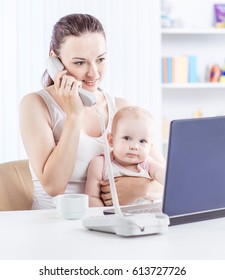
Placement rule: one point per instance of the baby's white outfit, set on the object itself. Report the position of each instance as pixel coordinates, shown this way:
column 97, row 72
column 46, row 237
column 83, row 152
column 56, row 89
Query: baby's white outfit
column 119, row 170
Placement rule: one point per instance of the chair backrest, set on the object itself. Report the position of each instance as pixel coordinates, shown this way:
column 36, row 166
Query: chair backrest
column 16, row 186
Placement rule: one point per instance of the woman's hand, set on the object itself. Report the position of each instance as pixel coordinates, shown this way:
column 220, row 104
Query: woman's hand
column 66, row 88
column 129, row 189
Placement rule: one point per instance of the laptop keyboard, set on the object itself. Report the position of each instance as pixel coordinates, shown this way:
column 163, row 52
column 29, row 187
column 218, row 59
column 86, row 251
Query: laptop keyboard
column 153, row 208
column 143, row 208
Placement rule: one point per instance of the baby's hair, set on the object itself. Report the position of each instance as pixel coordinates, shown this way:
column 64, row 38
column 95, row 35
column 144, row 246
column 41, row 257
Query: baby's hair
column 130, row 112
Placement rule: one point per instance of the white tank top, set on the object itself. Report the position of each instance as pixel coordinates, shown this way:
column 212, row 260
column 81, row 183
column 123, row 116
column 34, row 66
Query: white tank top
column 88, row 148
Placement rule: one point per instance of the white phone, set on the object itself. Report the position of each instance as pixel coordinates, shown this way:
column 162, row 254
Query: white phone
column 54, row 65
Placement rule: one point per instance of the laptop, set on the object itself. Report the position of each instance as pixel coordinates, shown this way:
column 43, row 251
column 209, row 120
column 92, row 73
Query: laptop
column 195, row 176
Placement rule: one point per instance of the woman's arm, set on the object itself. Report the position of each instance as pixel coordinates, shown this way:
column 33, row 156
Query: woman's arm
column 129, row 189
column 53, row 164
column 92, row 187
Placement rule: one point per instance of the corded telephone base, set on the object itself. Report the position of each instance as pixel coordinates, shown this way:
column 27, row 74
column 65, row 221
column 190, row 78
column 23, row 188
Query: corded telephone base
column 132, row 225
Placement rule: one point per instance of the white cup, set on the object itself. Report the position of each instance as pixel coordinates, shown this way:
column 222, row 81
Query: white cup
column 71, row 206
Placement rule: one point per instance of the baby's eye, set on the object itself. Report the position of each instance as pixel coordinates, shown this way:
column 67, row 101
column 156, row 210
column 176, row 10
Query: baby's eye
column 127, row 138
column 143, row 141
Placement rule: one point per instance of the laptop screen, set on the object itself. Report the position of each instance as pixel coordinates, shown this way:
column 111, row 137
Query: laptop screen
column 195, row 177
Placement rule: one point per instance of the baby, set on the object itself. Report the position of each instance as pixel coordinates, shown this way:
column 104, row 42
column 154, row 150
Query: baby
column 130, row 142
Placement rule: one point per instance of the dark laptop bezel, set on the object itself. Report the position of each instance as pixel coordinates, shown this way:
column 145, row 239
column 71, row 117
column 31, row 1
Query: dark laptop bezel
column 214, row 123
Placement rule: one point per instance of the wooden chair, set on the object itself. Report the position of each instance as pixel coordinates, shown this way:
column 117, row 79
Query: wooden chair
column 16, row 187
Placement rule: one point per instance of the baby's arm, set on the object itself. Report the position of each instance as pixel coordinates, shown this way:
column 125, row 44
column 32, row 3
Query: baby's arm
column 157, row 171
column 94, row 175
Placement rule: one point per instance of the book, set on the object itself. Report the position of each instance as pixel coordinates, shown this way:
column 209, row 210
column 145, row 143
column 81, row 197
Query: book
column 179, row 69
column 169, row 69
column 164, row 70
column 183, row 69
column 192, row 69
column 176, row 69
column 219, row 11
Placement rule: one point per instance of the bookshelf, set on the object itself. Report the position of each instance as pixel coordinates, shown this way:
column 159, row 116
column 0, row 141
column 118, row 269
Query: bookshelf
column 193, row 31
column 204, row 85
column 202, row 98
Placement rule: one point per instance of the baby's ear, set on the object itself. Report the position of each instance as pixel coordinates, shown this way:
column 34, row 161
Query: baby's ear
column 110, row 139
column 151, row 146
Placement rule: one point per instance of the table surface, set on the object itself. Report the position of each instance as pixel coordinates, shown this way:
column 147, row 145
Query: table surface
column 43, row 235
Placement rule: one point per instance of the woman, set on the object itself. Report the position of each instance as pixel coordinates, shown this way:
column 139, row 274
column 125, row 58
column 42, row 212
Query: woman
column 60, row 135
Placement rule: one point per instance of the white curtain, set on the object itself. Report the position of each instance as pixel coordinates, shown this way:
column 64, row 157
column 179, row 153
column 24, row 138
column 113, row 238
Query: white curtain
column 133, row 38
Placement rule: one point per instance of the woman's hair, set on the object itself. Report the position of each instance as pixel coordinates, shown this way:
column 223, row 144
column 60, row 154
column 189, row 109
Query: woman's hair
column 75, row 25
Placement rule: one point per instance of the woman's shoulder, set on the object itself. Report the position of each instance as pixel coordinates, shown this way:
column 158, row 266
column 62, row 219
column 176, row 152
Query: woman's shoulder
column 30, row 99
column 32, row 102
column 115, row 101
column 121, row 102
column 39, row 97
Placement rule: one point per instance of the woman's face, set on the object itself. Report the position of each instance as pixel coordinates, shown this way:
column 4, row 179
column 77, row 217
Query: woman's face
column 84, row 58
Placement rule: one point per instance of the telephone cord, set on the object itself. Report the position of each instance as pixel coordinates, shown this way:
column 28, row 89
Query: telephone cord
column 108, row 164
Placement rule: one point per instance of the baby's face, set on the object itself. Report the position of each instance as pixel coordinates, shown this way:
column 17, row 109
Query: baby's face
column 132, row 140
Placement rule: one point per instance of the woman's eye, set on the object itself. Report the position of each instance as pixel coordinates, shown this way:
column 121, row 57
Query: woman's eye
column 79, row 63
column 100, row 60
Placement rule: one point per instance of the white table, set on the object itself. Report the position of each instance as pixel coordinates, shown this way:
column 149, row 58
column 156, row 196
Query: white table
column 41, row 234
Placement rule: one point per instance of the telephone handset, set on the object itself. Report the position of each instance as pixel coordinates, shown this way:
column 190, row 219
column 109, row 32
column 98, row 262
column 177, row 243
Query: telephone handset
column 54, row 65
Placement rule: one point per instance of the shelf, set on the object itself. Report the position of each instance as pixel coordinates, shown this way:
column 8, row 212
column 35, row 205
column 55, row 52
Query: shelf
column 198, row 38
column 194, row 86
column 193, row 31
